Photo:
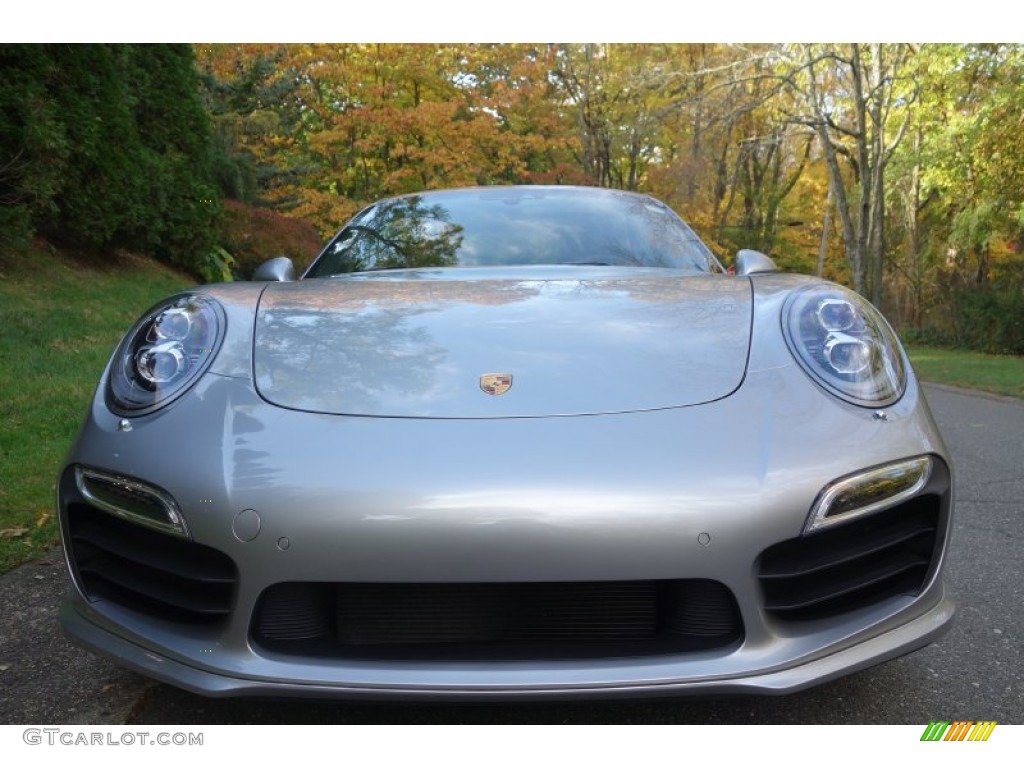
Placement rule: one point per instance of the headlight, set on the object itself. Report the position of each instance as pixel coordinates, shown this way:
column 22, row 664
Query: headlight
column 165, row 353
column 845, row 345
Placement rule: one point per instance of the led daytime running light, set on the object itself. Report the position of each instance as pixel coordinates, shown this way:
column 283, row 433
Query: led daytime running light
column 131, row 500
column 868, row 492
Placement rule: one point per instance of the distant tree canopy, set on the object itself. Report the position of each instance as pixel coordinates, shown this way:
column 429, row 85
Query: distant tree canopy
column 106, row 146
column 896, row 168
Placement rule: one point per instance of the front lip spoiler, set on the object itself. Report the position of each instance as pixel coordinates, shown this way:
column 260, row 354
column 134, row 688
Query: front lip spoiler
column 909, row 637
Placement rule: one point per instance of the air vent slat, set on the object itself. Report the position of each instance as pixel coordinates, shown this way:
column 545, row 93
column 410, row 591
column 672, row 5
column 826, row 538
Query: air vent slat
column 852, row 564
column 157, row 560
column 814, row 562
column 149, row 571
column 849, row 583
column 122, row 577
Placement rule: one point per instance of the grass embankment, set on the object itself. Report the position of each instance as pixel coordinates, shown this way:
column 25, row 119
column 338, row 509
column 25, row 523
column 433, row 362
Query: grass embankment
column 59, row 322
column 1000, row 374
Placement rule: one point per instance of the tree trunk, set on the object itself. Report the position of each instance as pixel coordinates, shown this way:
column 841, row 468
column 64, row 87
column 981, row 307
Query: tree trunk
column 826, row 223
column 851, row 237
column 876, row 222
column 911, row 209
column 864, row 162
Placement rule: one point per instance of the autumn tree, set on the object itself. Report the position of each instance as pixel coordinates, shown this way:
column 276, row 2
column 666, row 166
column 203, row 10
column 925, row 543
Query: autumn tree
column 889, row 166
column 961, row 195
column 362, row 121
column 723, row 155
column 249, row 96
column 618, row 97
column 855, row 97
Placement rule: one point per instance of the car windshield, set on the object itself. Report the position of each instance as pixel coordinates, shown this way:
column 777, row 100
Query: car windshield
column 503, row 226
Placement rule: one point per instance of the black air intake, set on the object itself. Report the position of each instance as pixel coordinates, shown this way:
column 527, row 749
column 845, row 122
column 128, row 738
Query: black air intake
column 853, row 564
column 502, row 619
column 146, row 571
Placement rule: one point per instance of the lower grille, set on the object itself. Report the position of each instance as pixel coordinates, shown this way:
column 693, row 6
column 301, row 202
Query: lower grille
column 516, row 620
column 853, row 564
column 146, row 571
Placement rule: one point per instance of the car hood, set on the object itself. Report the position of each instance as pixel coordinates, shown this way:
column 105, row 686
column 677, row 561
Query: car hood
column 575, row 341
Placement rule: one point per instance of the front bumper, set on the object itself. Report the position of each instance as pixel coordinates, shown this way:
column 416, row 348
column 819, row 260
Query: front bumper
column 518, row 681
column 688, row 493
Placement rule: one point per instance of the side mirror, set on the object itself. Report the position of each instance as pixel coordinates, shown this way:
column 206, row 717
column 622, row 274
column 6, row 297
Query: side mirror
column 754, row 263
column 279, row 270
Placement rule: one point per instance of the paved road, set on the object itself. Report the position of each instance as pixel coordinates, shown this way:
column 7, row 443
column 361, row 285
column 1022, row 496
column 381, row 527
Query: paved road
column 975, row 672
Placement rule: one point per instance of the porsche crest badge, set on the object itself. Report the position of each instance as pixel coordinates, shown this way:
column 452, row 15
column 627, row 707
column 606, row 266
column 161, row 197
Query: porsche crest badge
column 496, row 383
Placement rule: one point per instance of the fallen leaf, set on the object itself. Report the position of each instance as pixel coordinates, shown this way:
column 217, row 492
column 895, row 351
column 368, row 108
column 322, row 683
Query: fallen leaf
column 41, row 520
column 13, row 533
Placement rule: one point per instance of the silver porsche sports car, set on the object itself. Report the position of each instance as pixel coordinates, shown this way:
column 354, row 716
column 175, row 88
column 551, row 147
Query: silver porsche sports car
column 509, row 442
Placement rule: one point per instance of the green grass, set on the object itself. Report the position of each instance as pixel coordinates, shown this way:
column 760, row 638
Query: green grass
column 59, row 322
column 1001, row 374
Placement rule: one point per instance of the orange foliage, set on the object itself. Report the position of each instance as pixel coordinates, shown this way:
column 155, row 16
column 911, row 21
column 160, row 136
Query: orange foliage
column 363, row 121
column 253, row 235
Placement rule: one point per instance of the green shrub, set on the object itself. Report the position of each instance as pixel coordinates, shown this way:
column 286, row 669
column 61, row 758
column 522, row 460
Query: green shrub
column 105, row 147
column 15, row 228
column 253, row 235
column 33, row 145
column 216, row 266
column 990, row 319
